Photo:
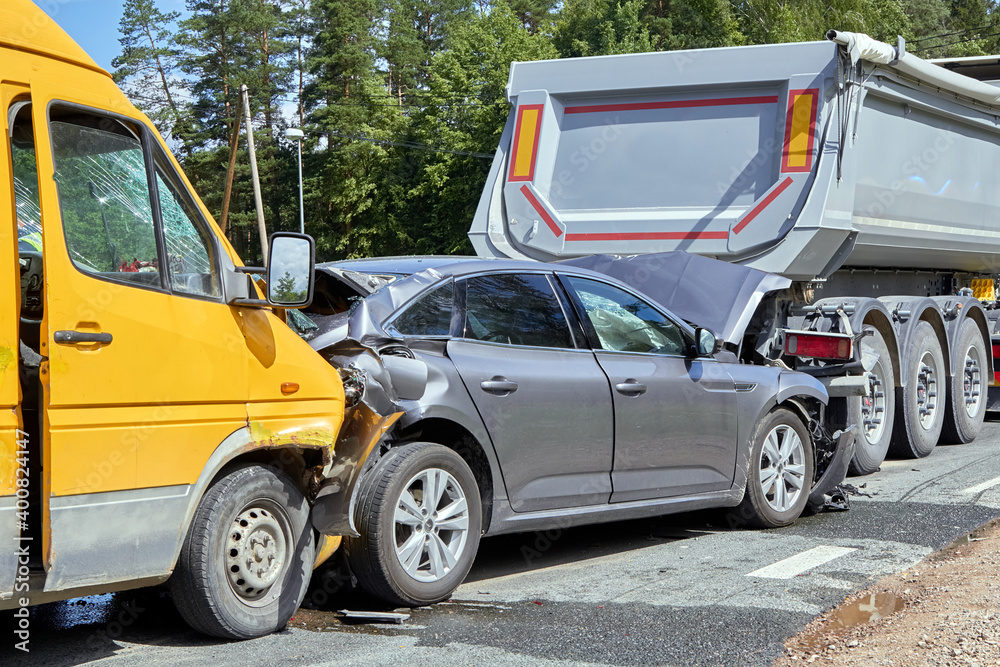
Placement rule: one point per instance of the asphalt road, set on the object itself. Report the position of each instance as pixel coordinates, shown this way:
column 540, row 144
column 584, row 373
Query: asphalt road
column 682, row 590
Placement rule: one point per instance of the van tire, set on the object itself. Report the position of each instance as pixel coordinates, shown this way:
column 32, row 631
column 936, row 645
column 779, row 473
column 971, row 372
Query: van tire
column 212, row 585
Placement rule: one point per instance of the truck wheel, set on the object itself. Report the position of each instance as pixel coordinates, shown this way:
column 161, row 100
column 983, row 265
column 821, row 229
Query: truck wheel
column 921, row 402
column 419, row 517
column 781, row 471
column 966, row 406
column 246, row 562
column 873, row 413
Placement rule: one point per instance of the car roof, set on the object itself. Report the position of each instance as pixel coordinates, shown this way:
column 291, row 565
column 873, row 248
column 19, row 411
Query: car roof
column 398, row 265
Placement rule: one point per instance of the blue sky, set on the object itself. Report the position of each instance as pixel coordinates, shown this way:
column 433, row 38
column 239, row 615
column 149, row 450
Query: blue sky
column 94, row 23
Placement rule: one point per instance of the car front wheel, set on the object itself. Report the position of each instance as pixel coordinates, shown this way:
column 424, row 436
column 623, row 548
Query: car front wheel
column 419, row 517
column 781, row 471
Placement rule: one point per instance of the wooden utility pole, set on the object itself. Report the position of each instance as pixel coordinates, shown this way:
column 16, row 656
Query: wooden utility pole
column 234, row 145
column 253, row 172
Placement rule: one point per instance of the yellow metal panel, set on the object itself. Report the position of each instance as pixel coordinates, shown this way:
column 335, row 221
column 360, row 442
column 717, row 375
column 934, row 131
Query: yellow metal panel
column 984, row 289
column 527, row 135
column 25, row 26
column 798, row 142
column 10, row 300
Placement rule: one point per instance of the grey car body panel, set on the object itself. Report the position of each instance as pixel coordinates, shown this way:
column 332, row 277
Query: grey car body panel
column 685, row 150
column 660, row 451
column 561, row 397
column 511, row 447
column 717, row 295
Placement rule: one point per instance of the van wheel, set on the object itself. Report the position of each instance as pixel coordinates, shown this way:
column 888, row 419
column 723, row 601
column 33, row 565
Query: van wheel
column 781, row 471
column 966, row 407
column 246, row 562
column 920, row 404
column 873, row 414
column 419, row 516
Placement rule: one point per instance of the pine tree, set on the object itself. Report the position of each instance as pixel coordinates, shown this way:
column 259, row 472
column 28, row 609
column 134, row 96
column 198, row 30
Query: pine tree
column 146, row 67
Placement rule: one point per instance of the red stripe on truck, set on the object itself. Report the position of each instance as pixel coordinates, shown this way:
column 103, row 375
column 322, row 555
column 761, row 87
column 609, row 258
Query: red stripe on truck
column 677, row 104
column 996, row 355
column 537, row 205
column 762, row 205
column 647, row 236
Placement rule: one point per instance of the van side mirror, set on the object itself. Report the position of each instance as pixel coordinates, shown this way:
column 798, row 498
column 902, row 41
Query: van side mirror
column 707, row 342
column 291, row 262
column 290, row 272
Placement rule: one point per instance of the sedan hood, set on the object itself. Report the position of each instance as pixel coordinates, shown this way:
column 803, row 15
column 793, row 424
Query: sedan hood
column 710, row 293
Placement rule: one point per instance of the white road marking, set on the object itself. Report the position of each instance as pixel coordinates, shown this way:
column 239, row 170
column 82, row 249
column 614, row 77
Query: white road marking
column 978, row 488
column 800, row 562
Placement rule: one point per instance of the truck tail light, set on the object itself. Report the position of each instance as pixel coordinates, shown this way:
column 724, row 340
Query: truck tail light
column 818, row 345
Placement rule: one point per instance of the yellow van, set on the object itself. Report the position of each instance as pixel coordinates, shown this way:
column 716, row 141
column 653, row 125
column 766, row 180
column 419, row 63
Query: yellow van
column 158, row 420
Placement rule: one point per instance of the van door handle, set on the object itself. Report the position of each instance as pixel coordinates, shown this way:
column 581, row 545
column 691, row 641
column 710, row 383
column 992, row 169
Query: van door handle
column 80, row 337
column 498, row 385
column 630, row 388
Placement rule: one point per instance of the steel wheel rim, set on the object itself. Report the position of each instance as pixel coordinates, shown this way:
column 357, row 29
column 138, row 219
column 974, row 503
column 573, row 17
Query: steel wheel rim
column 431, row 525
column 782, row 468
column 927, row 391
column 873, row 408
column 972, row 381
column 257, row 551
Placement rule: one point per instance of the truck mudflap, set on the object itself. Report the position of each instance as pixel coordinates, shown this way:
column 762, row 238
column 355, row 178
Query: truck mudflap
column 826, row 493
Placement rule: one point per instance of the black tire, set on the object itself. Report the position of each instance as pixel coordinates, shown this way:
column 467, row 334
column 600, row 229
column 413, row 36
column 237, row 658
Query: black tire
column 265, row 509
column 373, row 556
column 920, row 404
column 873, row 414
column 761, row 506
column 966, row 408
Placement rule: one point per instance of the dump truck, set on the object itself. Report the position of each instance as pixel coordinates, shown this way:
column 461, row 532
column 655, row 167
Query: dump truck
column 850, row 167
column 159, row 422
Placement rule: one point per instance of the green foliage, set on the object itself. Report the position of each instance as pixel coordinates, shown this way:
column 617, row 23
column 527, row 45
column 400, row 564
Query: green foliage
column 403, row 101
column 601, row 27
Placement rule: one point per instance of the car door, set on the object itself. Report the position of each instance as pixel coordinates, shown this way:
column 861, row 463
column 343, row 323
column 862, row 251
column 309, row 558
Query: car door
column 144, row 364
column 675, row 415
column 544, row 401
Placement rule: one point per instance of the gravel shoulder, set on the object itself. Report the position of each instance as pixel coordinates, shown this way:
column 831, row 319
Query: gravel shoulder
column 943, row 611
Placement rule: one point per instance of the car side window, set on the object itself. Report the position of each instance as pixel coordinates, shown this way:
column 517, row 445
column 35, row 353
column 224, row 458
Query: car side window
column 516, row 309
column 429, row 315
column 104, row 199
column 624, row 322
column 190, row 256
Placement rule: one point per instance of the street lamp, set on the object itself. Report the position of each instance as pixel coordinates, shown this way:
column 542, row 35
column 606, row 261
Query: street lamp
column 295, row 133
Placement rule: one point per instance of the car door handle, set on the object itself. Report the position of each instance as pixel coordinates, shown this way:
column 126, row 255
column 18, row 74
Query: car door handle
column 630, row 388
column 80, row 337
column 498, row 385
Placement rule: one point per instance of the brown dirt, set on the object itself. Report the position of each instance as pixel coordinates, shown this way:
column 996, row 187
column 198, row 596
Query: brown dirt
column 943, row 611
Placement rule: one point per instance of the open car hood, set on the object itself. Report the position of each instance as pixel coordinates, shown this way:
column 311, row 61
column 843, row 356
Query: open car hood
column 710, row 293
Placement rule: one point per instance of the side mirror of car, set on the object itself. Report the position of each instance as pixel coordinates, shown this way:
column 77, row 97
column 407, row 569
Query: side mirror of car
column 290, row 273
column 290, row 266
column 707, row 342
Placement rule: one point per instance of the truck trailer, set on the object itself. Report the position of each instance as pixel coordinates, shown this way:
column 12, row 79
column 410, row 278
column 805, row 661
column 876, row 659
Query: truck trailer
column 851, row 167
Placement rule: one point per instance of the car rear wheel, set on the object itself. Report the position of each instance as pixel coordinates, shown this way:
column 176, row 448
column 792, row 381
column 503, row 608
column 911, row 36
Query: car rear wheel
column 419, row 517
column 781, row 471
column 247, row 559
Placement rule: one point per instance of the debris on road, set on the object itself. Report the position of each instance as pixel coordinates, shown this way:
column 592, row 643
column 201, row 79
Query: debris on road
column 373, row 616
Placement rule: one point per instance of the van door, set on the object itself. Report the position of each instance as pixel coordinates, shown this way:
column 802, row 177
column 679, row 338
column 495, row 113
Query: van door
column 13, row 442
column 145, row 369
